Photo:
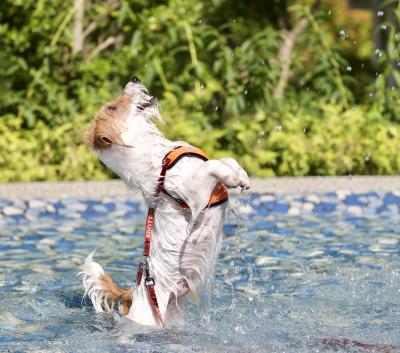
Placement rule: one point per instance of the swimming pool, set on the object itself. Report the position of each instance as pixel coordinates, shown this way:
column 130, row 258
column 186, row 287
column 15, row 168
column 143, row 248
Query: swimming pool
column 297, row 273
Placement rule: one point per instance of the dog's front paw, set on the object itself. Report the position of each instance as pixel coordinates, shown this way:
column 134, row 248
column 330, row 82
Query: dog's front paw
column 236, row 175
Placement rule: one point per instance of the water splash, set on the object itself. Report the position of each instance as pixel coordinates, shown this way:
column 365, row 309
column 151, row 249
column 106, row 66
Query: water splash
column 342, row 34
column 304, row 283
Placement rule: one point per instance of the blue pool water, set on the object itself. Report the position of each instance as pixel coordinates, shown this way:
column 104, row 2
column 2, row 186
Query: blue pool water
column 297, row 273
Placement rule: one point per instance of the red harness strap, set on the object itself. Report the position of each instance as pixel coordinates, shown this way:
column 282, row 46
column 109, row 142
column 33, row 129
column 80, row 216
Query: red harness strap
column 218, row 196
column 144, row 267
column 147, row 232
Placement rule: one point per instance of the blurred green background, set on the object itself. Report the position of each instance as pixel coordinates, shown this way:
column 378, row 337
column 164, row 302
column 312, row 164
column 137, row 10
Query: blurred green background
column 288, row 87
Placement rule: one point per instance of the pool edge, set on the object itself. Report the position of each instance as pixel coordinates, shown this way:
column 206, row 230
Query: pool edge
column 100, row 189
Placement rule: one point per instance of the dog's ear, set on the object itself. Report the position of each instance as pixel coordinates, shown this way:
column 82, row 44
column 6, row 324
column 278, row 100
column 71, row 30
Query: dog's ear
column 154, row 112
column 100, row 136
column 104, row 132
column 106, row 136
column 102, row 142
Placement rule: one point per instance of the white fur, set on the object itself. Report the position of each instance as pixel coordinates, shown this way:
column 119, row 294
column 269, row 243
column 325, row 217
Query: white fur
column 91, row 271
column 185, row 242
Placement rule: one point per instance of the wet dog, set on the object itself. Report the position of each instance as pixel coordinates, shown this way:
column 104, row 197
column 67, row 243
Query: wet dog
column 185, row 241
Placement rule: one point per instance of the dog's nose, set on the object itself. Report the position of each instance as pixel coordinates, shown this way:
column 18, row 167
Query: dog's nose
column 134, row 79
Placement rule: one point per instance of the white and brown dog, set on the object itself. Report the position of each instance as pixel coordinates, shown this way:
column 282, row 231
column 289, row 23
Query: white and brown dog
column 185, row 242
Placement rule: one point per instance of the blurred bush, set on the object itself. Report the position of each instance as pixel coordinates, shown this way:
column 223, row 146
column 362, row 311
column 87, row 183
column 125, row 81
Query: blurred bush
column 45, row 153
column 227, row 78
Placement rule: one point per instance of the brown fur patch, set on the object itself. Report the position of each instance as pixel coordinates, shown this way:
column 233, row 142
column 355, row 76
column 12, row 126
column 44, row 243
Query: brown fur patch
column 109, row 124
column 116, row 294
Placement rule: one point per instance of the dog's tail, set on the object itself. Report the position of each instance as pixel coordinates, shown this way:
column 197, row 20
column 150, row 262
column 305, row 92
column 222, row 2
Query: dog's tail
column 101, row 289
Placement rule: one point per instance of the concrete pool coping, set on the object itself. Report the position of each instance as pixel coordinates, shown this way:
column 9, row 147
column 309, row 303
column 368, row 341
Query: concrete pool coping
column 303, row 185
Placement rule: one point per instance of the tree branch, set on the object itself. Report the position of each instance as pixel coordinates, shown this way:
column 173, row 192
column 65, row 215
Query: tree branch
column 285, row 55
column 102, row 46
column 89, row 29
column 78, row 38
column 285, row 52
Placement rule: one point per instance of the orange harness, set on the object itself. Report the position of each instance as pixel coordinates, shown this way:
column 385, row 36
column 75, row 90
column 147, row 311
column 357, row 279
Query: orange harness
column 218, row 196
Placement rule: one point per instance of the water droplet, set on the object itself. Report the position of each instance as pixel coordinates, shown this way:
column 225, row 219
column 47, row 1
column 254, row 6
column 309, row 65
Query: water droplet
column 278, row 127
column 349, row 68
column 380, row 13
column 378, row 53
column 239, row 329
column 245, row 92
column 342, row 34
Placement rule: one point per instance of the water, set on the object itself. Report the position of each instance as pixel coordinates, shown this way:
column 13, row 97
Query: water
column 316, row 273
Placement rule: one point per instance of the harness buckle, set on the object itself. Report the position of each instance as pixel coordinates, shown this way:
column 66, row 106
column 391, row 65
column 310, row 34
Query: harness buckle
column 149, row 281
column 146, row 262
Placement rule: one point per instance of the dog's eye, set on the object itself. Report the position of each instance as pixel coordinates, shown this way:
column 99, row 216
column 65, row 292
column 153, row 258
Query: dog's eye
column 112, row 108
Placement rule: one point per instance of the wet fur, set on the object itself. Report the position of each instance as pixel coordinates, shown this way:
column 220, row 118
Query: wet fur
column 111, row 294
column 185, row 242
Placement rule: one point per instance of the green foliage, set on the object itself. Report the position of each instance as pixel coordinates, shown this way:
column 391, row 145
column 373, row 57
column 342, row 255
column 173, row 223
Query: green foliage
column 215, row 66
column 322, row 141
column 45, row 153
column 384, row 89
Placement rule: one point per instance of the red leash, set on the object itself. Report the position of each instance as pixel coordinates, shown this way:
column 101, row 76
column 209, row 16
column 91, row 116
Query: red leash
column 144, row 265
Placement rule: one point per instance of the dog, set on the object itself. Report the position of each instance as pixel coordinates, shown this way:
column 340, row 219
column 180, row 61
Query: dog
column 185, row 228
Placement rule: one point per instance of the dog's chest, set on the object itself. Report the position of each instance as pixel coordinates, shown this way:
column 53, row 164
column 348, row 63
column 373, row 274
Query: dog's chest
column 180, row 249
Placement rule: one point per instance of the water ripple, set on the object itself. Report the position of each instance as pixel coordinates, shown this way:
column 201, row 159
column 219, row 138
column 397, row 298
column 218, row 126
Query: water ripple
column 297, row 273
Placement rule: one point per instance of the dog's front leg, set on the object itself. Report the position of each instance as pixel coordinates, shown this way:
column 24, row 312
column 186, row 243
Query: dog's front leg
column 229, row 172
column 203, row 180
column 193, row 181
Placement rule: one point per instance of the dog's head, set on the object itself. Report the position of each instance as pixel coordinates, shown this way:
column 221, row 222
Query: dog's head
column 124, row 120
